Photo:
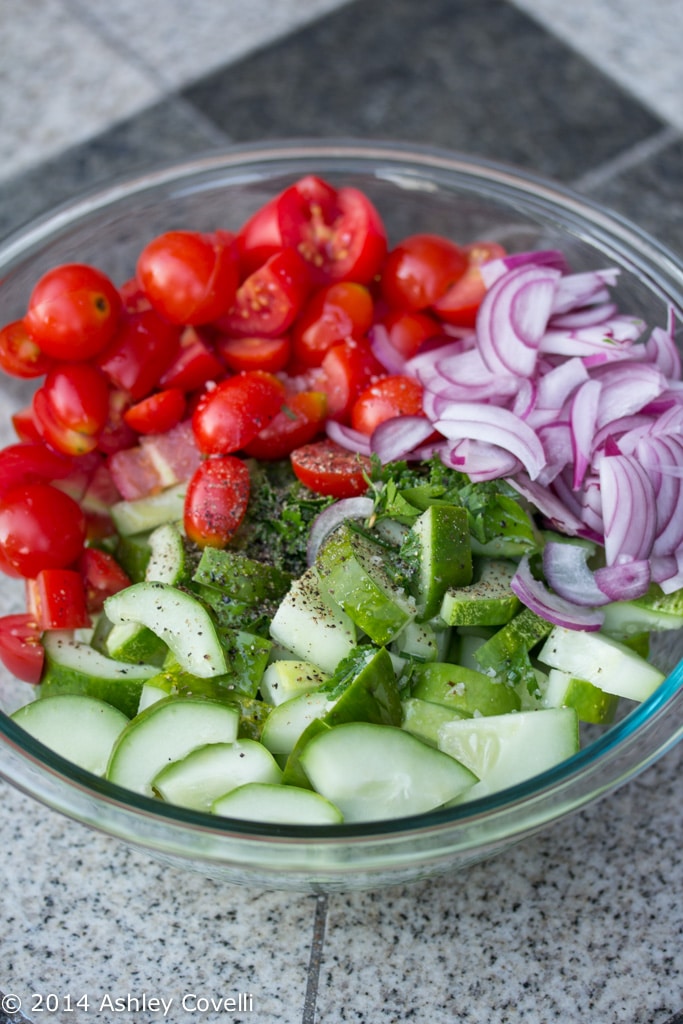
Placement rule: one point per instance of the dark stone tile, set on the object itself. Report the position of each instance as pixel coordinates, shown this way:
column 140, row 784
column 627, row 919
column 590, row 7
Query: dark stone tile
column 478, row 77
column 168, row 131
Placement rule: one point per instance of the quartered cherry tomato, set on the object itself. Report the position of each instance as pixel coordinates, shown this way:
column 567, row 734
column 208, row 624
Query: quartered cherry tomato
column 420, row 269
column 384, row 400
column 73, row 311
column 20, row 355
column 21, row 651
column 189, row 277
column 460, row 303
column 300, row 419
column 231, row 414
column 56, row 599
column 269, row 300
column 216, row 501
column 269, row 354
column 336, row 313
column 40, row 528
column 143, row 349
column 194, row 363
column 102, row 576
column 327, row 468
column 78, row 395
column 157, row 413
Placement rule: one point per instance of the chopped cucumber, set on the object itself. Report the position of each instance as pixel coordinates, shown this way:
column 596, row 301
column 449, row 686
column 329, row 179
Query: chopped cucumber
column 311, row 625
column 590, row 702
column 486, row 602
column 279, row 805
column 209, row 772
column 439, row 540
column 145, row 514
column 287, row 722
column 283, row 680
column 168, row 558
column 424, row 719
column 463, row 689
column 81, row 729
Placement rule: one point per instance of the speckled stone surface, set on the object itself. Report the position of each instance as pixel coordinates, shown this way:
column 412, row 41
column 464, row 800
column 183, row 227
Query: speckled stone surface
column 580, row 923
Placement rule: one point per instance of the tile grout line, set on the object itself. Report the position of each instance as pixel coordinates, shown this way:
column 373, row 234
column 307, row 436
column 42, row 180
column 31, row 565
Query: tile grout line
column 627, row 160
column 315, row 960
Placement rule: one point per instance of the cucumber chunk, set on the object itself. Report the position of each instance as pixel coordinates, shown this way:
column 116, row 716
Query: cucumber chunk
column 79, row 728
column 177, row 618
column 311, row 625
column 424, row 719
column 590, row 702
column 373, row 772
column 168, row 558
column 285, row 679
column 167, row 731
column 439, row 541
column 286, row 722
column 503, row 750
column 145, row 514
column 462, row 689
column 278, row 805
column 210, row 772
column 486, row 602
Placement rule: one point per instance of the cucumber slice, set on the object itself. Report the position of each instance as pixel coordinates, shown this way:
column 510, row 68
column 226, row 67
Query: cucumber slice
column 145, row 514
column 463, row 689
column 286, row 722
column 167, row 731
column 374, row 772
column 486, row 602
column 177, row 618
column 503, row 750
column 283, row 680
column 168, row 558
column 81, row 729
column 311, row 625
column 283, row 805
column 77, row 668
column 590, row 702
column 602, row 661
column 129, row 641
column 210, row 772
column 424, row 719
column 439, row 541
column 625, row 619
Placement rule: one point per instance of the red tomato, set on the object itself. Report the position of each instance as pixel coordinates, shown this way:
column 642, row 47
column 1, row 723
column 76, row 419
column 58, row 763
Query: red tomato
column 189, row 277
column 30, row 463
column 21, row 651
column 195, row 363
column 348, row 368
column 20, row 355
column 133, row 297
column 216, row 501
column 78, row 396
column 327, row 468
column 157, row 413
column 24, row 425
column 460, row 303
column 233, row 412
column 73, row 311
column 56, row 434
column 102, row 576
column 339, row 233
column 116, row 434
column 40, row 528
column 302, row 417
column 409, row 331
column 420, row 269
column 142, row 351
column 56, row 599
column 269, row 300
column 384, row 400
column 333, row 314
column 269, row 354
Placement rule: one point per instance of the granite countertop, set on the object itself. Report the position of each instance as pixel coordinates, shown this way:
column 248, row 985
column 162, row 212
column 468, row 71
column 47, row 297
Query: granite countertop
column 583, row 922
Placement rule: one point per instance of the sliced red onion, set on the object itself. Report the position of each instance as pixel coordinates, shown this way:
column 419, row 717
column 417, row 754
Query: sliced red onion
column 657, row 454
column 548, row 504
column 558, row 384
column 583, row 419
column 332, row 517
column 588, row 288
column 626, row 389
column 604, row 339
column 624, row 581
column 629, row 508
column 551, row 607
column 492, row 270
column 513, row 317
column 383, row 350
column 525, row 398
column 566, row 570
column 556, row 439
column 662, row 351
column 497, row 426
column 588, row 317
column 347, row 437
column 482, row 461
column 396, row 438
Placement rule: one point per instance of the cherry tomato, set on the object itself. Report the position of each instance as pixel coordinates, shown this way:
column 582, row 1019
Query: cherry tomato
column 409, row 331
column 73, row 311
column 333, row 314
column 194, row 364
column 216, row 501
column 327, row 468
column 460, row 303
column 269, row 300
column 133, row 297
column 30, row 463
column 56, row 434
column 20, row 355
column 348, row 369
column 40, row 528
column 102, row 576
column 302, row 417
column 339, row 233
column 21, row 651
column 56, row 599
column 116, row 434
column 384, row 400
column 24, row 425
column 269, row 354
column 420, row 269
column 189, row 277
column 142, row 351
column 232, row 413
column 157, row 413
column 78, row 396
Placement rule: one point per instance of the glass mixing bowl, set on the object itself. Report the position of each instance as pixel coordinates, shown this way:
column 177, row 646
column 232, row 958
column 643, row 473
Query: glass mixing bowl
column 415, row 190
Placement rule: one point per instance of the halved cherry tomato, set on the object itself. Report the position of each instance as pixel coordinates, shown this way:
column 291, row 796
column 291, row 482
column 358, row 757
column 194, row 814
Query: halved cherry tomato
column 30, row 463
column 189, row 277
column 339, row 233
column 216, row 501
column 333, row 314
column 269, row 354
column 21, row 651
column 348, row 369
column 300, row 419
column 420, row 269
column 232, row 413
column 157, row 413
column 194, row 364
column 102, row 576
column 269, row 300
column 40, row 528
column 20, row 355
column 73, row 311
column 460, row 303
column 142, row 350
column 384, row 400
column 409, row 331
column 24, row 425
column 56, row 599
column 327, row 468
column 78, row 396
column 56, row 434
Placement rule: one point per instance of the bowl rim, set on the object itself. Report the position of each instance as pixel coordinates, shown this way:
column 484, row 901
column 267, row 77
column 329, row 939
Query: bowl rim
column 651, row 725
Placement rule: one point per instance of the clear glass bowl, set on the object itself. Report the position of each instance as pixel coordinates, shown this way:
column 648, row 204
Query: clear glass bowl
column 415, row 190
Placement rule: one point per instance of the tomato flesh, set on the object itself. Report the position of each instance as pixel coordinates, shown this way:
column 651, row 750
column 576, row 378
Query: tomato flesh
column 56, row 599
column 327, row 468
column 420, row 269
column 20, row 355
column 268, row 301
column 158, row 413
column 269, row 354
column 300, row 419
column 460, row 303
column 216, row 501
column 336, row 313
column 21, row 651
